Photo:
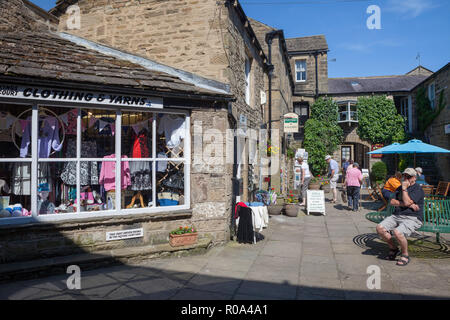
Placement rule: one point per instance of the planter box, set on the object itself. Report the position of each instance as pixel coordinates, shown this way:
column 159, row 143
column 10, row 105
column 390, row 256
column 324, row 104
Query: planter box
column 178, row 240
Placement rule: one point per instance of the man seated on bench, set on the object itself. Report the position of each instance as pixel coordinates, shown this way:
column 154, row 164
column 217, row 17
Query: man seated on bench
column 407, row 216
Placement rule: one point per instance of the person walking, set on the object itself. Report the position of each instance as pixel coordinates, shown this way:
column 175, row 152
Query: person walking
column 407, row 217
column 353, row 181
column 333, row 174
column 306, row 178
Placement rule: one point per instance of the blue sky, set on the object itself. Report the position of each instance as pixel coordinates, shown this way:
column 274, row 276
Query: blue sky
column 408, row 27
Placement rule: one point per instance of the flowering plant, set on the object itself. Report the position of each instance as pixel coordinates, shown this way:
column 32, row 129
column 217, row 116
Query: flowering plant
column 322, row 180
column 291, row 198
column 184, row 230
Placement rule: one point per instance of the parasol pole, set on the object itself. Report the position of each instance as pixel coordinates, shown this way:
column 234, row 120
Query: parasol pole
column 414, row 160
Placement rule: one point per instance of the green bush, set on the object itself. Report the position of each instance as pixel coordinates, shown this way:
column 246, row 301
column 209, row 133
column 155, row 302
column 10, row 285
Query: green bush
column 322, row 134
column 379, row 172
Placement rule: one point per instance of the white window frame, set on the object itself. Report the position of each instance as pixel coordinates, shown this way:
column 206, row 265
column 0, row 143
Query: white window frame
column 300, row 70
column 348, row 111
column 118, row 146
column 248, row 72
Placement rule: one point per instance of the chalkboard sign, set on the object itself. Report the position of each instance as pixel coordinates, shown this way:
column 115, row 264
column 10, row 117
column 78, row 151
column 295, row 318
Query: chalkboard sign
column 315, row 201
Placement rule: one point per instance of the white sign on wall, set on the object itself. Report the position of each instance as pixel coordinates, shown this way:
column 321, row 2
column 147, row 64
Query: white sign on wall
column 315, row 201
column 124, row 234
column 48, row 94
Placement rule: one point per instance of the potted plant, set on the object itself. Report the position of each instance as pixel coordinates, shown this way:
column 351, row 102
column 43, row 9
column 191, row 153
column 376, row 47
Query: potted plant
column 275, row 209
column 183, row 236
column 291, row 205
column 315, row 183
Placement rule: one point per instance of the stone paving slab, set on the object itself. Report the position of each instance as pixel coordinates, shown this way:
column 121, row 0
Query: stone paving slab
column 311, row 257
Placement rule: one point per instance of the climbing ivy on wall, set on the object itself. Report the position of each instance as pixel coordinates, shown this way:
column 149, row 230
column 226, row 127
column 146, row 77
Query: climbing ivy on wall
column 379, row 121
column 425, row 114
column 322, row 134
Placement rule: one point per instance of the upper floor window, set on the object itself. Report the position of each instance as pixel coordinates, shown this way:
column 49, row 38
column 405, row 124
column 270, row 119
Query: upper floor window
column 431, row 95
column 248, row 67
column 347, row 111
column 300, row 70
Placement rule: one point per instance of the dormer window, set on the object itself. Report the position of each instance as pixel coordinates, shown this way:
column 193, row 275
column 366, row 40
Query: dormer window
column 300, row 70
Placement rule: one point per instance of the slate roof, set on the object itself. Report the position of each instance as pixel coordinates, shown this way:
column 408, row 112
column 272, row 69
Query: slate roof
column 312, row 43
column 373, row 84
column 45, row 55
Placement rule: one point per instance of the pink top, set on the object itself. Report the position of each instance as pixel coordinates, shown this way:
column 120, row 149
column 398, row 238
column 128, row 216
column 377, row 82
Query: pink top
column 353, row 177
column 108, row 174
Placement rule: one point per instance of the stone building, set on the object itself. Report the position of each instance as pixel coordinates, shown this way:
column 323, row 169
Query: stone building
column 213, row 39
column 279, row 99
column 309, row 63
column 72, row 111
column 346, row 91
column 438, row 132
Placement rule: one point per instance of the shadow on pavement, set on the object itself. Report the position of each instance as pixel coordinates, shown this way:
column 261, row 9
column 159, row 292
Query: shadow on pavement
column 148, row 283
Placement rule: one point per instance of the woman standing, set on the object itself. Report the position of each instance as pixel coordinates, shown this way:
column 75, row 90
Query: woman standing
column 306, row 177
column 353, row 180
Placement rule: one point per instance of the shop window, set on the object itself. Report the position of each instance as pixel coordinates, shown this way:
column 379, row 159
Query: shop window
column 76, row 160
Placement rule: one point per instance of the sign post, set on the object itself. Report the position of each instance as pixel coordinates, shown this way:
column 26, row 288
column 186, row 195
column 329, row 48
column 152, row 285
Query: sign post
column 291, row 123
column 315, row 201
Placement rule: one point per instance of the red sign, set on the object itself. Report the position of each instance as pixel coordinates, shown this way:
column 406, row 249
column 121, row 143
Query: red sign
column 376, row 147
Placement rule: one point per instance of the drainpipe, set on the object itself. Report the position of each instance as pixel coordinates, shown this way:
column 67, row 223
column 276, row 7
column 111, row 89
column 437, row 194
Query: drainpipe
column 270, row 68
column 317, row 75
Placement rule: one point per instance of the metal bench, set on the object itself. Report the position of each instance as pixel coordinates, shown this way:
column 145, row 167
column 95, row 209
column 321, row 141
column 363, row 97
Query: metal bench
column 436, row 215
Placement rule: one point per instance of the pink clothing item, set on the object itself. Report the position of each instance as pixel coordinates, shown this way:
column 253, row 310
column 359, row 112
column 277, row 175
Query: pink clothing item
column 108, row 174
column 353, row 177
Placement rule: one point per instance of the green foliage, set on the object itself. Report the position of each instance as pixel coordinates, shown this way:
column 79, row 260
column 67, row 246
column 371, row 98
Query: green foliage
column 290, row 153
column 426, row 115
column 378, row 120
column 379, row 172
column 322, row 134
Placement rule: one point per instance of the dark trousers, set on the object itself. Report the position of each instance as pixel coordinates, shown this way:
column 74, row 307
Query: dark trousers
column 353, row 197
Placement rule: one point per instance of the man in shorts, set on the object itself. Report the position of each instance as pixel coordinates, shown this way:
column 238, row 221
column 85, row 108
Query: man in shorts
column 333, row 174
column 407, row 217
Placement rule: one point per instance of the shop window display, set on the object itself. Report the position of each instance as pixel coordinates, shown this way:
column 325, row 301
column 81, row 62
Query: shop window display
column 76, row 160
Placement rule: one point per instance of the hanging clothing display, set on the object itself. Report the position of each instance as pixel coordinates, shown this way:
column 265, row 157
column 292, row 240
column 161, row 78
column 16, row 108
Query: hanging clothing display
column 71, row 123
column 161, row 165
column 140, row 144
column 245, row 233
column 48, row 137
column 108, row 173
column 174, row 129
column 141, row 176
column 88, row 170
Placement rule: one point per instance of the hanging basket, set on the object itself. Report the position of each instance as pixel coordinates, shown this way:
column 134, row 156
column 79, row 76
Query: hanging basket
column 178, row 240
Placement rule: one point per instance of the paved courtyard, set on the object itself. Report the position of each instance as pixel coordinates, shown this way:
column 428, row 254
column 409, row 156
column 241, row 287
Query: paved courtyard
column 308, row 257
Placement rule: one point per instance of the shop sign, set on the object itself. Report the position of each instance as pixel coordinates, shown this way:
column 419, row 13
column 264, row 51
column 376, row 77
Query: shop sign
column 376, row 147
column 316, row 201
column 124, row 234
column 291, row 123
column 46, row 94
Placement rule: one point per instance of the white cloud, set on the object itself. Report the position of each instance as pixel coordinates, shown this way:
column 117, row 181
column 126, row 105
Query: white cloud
column 410, row 8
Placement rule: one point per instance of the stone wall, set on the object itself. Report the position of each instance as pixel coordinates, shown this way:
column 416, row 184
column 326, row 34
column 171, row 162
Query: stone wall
column 281, row 97
column 309, row 86
column 17, row 15
column 436, row 131
column 42, row 240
